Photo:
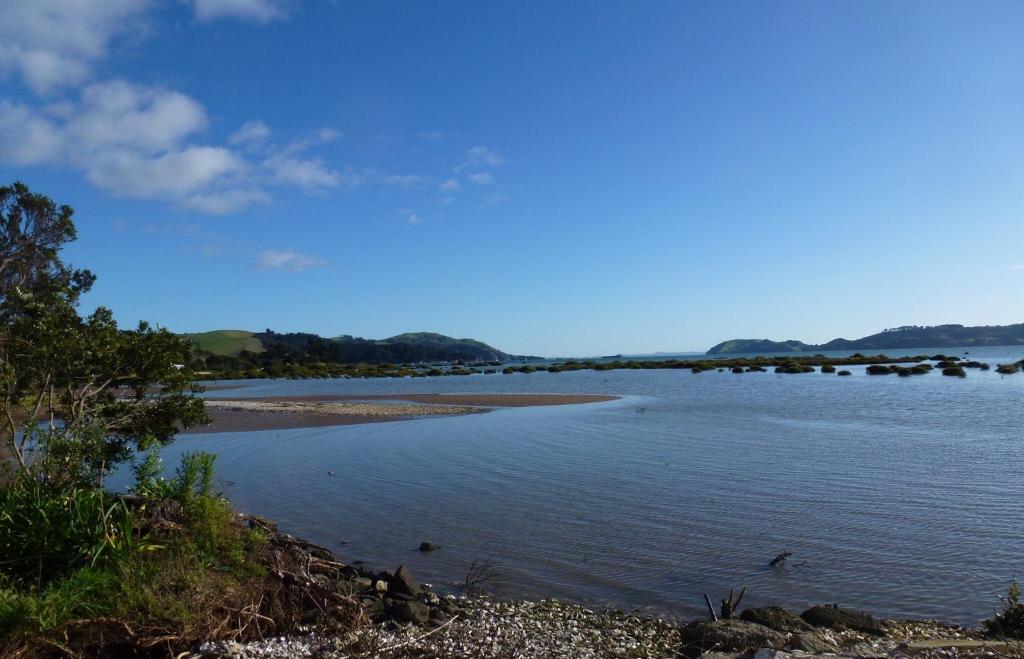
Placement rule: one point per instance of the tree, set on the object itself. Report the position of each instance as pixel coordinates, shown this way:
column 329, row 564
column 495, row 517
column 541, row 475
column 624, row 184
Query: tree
column 78, row 376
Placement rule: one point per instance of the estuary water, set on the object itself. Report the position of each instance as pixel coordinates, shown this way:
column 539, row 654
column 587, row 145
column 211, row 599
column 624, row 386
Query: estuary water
column 902, row 496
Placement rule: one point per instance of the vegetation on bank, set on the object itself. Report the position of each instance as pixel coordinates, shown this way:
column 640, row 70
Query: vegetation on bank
column 876, row 365
column 81, row 396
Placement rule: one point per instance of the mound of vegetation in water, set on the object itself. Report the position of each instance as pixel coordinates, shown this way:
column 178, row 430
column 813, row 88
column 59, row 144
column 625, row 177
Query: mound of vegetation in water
column 954, row 371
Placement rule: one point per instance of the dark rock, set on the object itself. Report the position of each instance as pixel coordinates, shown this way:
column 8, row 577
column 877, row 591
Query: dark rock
column 403, row 582
column 775, row 618
column 727, row 636
column 811, row 642
column 840, row 619
column 438, row 614
column 429, row 546
column 417, row 613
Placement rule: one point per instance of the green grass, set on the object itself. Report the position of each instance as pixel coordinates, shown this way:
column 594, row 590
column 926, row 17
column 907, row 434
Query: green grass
column 226, row 342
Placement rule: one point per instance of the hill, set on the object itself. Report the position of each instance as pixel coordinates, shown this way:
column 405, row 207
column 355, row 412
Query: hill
column 301, row 347
column 908, row 336
column 226, row 343
column 470, row 349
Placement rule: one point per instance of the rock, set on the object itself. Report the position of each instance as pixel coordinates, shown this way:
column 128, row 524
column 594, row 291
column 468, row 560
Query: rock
column 403, row 582
column 840, row 619
column 811, row 642
column 775, row 618
column 429, row 546
column 363, row 582
column 728, row 636
column 417, row 613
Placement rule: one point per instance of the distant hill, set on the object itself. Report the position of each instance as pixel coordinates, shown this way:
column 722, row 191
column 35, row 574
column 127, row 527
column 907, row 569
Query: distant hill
column 469, row 349
column 226, row 343
column 909, row 336
column 302, row 347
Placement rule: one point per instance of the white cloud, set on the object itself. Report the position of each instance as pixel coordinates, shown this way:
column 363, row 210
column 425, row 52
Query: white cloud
column 480, row 156
column 451, row 185
column 307, row 173
column 27, row 139
column 131, row 140
column 482, row 178
column 1017, row 267
column 55, row 43
column 119, row 114
column 414, row 219
column 141, row 142
column 251, row 132
column 287, row 259
column 431, row 135
column 403, row 181
column 260, row 11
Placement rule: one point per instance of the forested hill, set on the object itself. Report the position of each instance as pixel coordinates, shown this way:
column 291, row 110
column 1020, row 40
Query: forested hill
column 303, row 347
column 910, row 336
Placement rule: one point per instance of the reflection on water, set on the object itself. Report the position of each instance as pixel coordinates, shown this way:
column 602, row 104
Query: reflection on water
column 898, row 495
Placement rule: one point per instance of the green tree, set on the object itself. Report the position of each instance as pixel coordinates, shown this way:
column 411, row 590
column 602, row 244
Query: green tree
column 77, row 376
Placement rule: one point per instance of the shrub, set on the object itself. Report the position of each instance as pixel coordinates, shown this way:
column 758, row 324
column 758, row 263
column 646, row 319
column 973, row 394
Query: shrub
column 1008, row 623
column 954, row 371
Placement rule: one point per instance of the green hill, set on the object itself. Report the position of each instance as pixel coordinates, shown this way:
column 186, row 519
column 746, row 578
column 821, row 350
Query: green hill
column 908, row 336
column 227, row 343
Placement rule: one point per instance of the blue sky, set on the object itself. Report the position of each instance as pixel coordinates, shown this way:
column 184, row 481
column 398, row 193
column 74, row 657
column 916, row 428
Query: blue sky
column 554, row 178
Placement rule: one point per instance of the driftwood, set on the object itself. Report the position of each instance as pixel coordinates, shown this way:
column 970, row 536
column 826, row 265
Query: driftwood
column 728, row 608
column 780, row 558
column 711, row 609
column 730, row 605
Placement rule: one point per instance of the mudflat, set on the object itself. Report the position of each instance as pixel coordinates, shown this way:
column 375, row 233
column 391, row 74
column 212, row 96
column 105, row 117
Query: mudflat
column 284, row 412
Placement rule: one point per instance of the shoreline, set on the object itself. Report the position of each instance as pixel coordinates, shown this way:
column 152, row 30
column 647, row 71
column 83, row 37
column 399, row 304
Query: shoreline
column 317, row 411
column 404, row 618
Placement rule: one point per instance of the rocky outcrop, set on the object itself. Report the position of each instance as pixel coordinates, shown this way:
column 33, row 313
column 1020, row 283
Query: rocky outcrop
column 832, row 617
column 736, row 636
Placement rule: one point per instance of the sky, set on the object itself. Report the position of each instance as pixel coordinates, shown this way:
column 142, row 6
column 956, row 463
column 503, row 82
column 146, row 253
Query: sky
column 553, row 178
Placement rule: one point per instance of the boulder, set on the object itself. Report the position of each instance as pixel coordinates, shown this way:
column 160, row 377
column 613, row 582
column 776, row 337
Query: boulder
column 703, row 636
column 429, row 546
column 833, row 617
column 775, row 618
column 417, row 613
column 402, row 581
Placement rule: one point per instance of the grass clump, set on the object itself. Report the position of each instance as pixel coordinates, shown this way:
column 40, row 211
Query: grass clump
column 168, row 558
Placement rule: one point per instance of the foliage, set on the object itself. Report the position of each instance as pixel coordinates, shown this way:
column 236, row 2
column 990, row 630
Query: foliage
column 1008, row 623
column 84, row 552
column 61, row 368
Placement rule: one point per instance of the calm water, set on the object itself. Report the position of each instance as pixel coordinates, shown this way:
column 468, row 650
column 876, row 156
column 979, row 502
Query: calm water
column 903, row 496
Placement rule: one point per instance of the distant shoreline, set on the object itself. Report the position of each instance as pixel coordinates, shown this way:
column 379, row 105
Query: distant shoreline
column 288, row 412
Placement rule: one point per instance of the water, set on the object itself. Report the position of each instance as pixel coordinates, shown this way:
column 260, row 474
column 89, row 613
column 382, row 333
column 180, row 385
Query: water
column 903, row 496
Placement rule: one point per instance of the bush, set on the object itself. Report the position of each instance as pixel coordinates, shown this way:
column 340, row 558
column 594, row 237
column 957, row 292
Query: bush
column 1008, row 623
column 954, row 371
